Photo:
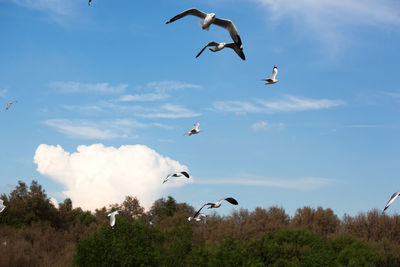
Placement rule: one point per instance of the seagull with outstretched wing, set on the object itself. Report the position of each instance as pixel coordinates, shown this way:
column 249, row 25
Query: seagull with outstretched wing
column 214, row 205
column 272, row 79
column 195, row 130
column 176, row 174
column 209, row 19
column 220, row 46
column 10, row 103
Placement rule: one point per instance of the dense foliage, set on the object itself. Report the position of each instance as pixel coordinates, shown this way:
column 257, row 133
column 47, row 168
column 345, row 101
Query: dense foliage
column 33, row 232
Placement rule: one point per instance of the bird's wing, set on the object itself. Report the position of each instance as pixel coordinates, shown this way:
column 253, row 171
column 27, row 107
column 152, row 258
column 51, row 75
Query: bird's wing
column 238, row 50
column 392, row 199
column 207, row 45
column 274, row 73
column 166, row 178
column 1, row 202
column 229, row 26
column 186, row 174
column 192, row 11
column 196, row 126
column 194, row 216
column 230, row 200
column 268, row 80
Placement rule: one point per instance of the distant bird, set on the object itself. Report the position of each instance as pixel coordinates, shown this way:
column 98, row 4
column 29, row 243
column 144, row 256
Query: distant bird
column 391, row 200
column 10, row 103
column 90, row 1
column 112, row 217
column 195, row 130
column 220, row 46
column 211, row 19
column 4, row 243
column 176, row 174
column 217, row 204
column 198, row 217
column 2, row 207
column 271, row 79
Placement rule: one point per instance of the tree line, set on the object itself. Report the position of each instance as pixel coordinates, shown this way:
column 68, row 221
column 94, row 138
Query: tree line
column 33, row 232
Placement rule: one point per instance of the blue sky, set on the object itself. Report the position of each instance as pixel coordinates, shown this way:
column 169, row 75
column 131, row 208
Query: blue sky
column 115, row 74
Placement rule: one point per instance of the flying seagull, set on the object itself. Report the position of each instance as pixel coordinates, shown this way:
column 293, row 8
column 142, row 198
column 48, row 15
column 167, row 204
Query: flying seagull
column 90, row 1
column 176, row 174
column 209, row 19
column 2, row 207
column 271, row 79
column 217, row 204
column 10, row 103
column 220, row 46
column 198, row 217
column 112, row 217
column 392, row 199
column 195, row 130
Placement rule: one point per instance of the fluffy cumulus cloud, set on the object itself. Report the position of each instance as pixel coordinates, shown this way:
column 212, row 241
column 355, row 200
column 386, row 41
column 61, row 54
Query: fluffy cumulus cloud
column 96, row 175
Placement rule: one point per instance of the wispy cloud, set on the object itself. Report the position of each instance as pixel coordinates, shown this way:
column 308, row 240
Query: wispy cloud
column 143, row 97
column 169, row 111
column 171, row 85
column 77, row 87
column 310, row 183
column 56, row 7
column 101, row 130
column 288, row 104
column 330, row 20
column 83, row 129
column 263, row 126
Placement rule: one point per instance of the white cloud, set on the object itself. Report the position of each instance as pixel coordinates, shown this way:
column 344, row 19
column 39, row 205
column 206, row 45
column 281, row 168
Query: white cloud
column 143, row 97
column 288, row 104
column 54, row 202
column 171, row 85
column 310, row 183
column 169, row 111
column 100, row 130
column 262, row 125
column 96, row 176
column 77, row 87
column 56, row 7
column 88, row 129
column 331, row 20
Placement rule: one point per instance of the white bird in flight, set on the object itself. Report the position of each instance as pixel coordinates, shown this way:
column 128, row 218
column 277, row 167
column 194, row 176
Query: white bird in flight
column 112, row 217
column 195, row 129
column 198, row 217
column 10, row 103
column 272, row 79
column 209, row 19
column 391, row 200
column 2, row 207
column 214, row 205
column 176, row 174
column 220, row 46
